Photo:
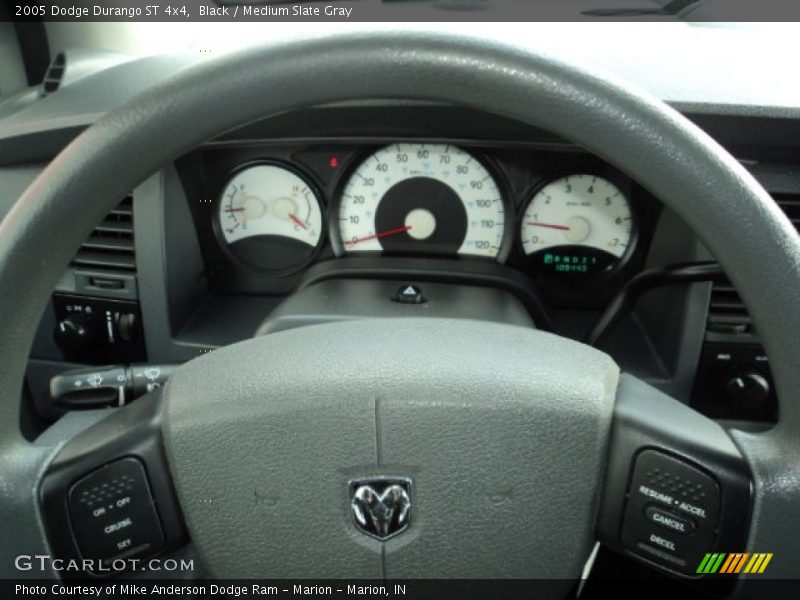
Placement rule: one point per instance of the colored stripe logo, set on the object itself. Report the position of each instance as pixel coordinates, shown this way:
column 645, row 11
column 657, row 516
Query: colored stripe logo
column 734, row 562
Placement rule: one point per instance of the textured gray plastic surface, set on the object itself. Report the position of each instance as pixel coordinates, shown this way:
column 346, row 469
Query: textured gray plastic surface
column 47, row 124
column 502, row 430
column 676, row 161
column 341, row 299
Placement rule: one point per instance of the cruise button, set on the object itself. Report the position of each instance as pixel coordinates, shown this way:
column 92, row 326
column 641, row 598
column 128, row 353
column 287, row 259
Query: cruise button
column 669, row 520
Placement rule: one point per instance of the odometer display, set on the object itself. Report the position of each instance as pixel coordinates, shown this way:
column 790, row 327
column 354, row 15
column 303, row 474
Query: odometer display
column 579, row 224
column 414, row 198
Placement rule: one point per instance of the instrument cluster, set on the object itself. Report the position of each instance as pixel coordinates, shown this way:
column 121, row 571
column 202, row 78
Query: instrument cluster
column 560, row 216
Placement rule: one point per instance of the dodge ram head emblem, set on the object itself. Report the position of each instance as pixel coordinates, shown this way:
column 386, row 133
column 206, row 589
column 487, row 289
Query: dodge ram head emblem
column 381, row 505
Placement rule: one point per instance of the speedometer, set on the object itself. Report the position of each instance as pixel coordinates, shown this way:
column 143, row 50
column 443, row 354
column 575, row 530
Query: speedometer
column 414, row 198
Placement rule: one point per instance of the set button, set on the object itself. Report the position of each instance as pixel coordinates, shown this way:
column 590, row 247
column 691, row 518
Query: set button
column 113, row 514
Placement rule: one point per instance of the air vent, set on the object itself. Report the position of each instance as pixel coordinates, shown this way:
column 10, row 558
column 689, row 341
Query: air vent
column 726, row 312
column 110, row 246
column 54, row 75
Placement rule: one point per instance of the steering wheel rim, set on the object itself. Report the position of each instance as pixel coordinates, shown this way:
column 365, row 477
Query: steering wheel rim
column 638, row 134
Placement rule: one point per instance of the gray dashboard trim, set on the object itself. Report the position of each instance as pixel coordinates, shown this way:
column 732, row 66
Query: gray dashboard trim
column 24, row 140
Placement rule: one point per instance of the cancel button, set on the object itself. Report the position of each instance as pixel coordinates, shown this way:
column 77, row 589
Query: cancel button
column 668, row 520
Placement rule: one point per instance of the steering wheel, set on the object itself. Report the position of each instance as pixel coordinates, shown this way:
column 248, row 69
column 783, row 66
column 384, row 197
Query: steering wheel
column 478, row 449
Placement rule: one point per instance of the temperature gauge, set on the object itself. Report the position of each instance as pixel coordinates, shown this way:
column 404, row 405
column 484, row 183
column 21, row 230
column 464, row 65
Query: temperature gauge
column 270, row 218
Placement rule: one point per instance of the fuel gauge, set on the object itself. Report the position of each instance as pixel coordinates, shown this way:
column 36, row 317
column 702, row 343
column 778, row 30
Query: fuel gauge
column 270, row 218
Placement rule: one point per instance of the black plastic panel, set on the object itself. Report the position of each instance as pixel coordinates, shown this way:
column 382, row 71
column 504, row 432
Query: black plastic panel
column 113, row 513
column 112, row 330
column 672, row 511
column 734, row 381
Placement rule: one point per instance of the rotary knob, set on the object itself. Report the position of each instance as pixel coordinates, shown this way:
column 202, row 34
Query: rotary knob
column 749, row 388
column 76, row 334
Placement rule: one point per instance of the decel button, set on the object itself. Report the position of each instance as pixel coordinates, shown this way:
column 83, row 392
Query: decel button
column 669, row 520
column 672, row 511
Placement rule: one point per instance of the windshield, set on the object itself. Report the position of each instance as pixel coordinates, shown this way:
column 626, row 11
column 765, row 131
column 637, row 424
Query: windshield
column 679, row 62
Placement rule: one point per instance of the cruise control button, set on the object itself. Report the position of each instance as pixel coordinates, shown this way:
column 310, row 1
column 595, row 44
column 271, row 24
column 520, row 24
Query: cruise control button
column 672, row 511
column 662, row 542
column 669, row 520
column 113, row 514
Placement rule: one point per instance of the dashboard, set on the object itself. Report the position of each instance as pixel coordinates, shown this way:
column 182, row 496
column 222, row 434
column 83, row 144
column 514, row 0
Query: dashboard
column 328, row 213
column 564, row 219
column 312, row 217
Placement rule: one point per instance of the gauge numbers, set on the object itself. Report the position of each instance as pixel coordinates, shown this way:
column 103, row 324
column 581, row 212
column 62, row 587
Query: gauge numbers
column 414, row 198
column 270, row 217
column 578, row 224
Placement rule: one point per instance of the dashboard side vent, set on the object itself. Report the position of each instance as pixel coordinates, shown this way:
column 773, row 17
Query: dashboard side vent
column 110, row 245
column 726, row 311
column 54, row 75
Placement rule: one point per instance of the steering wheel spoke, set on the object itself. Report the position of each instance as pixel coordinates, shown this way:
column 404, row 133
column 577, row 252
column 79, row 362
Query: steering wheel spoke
column 677, row 488
column 107, row 497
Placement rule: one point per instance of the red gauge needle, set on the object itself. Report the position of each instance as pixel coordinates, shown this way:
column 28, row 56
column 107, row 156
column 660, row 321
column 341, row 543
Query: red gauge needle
column 234, row 209
column 382, row 234
column 297, row 221
column 549, row 226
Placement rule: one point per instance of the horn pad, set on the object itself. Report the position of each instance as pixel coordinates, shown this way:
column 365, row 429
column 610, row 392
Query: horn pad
column 496, row 436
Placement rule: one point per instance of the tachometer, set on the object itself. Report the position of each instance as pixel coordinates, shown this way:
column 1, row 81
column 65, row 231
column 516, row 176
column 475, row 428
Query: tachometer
column 270, row 217
column 414, row 198
column 578, row 224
